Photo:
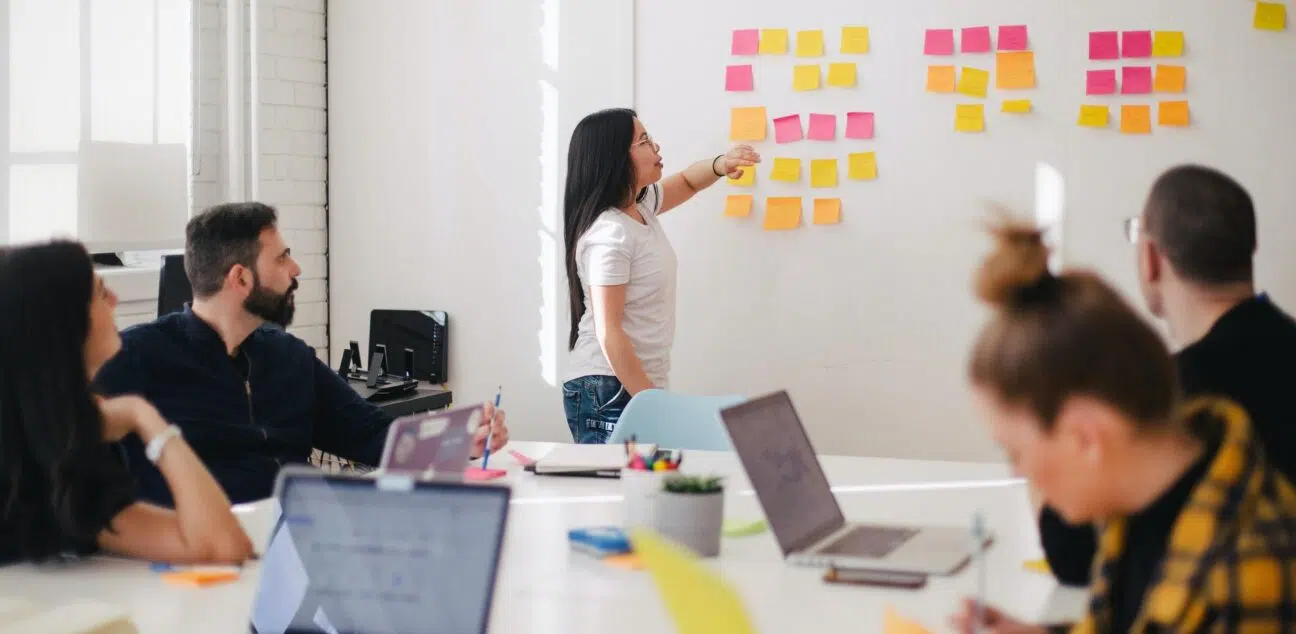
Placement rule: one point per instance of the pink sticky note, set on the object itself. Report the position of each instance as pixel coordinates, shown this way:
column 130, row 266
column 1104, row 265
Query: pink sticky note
column 522, row 458
column 1100, row 82
column 823, row 127
column 478, row 473
column 738, row 78
column 939, row 42
column 787, row 129
column 1136, row 80
column 745, row 42
column 1136, row 43
column 859, row 125
column 1104, row 45
column 976, row 39
column 1013, row 38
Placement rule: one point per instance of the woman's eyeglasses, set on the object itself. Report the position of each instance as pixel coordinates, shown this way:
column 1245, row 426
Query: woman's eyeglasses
column 1133, row 226
column 647, row 140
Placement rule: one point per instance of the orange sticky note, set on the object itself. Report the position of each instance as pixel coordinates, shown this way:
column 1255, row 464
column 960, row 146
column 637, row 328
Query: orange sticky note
column 827, row 211
column 199, row 578
column 773, row 41
column 1015, row 70
column 862, row 166
column 969, row 118
column 747, row 124
column 1173, row 113
column 782, row 212
column 626, row 561
column 1170, row 78
column 738, row 205
column 893, row 623
column 940, row 79
column 1093, row 116
column 1136, row 119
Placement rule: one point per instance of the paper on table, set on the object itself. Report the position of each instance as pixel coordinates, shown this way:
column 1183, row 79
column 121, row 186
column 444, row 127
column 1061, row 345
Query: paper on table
column 745, row 42
column 1270, row 16
column 893, row 623
column 805, row 77
column 1136, row 43
column 855, row 39
column 1013, row 37
column 1136, row 119
column 823, row 172
column 698, row 599
column 976, row 39
column 940, row 79
column 773, row 41
column 1170, row 78
column 862, row 166
column 1017, row 106
column 1104, row 45
column 787, row 129
column 969, row 118
column 973, row 82
column 1136, row 80
column 939, row 42
column 739, row 78
column 786, row 170
column 738, row 205
column 1015, row 71
column 859, row 125
column 1100, row 82
column 1167, row 44
column 827, row 211
column 476, row 474
column 841, row 74
column 810, row 43
column 782, row 212
column 1173, row 113
column 747, row 124
column 1093, row 116
column 823, row 127
column 746, row 178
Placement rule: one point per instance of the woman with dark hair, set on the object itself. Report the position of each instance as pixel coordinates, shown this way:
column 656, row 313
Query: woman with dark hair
column 620, row 264
column 63, row 487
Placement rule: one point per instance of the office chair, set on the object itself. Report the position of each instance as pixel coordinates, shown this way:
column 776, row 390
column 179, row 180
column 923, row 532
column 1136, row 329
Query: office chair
column 173, row 286
column 675, row 421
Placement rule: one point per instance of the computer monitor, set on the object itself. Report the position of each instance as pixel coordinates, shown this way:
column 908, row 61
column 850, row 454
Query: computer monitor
column 425, row 332
column 174, row 290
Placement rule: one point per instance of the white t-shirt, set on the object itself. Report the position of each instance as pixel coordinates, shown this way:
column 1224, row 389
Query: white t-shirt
column 616, row 250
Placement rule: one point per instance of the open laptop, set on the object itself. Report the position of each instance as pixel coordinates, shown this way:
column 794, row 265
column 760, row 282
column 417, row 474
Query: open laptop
column 380, row 555
column 433, row 443
column 803, row 513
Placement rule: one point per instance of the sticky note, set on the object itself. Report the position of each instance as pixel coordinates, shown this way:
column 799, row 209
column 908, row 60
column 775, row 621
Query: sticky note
column 940, row 79
column 477, row 474
column 810, row 43
column 1013, row 38
column 788, row 129
column 823, row 172
column 939, row 42
column 1136, row 80
column 1270, row 16
column 823, row 127
column 1170, row 78
column 805, row 77
column 827, row 211
column 855, row 40
column 973, row 82
column 739, row 78
column 1100, row 82
column 976, row 39
column 786, row 169
column 773, row 41
column 893, row 623
column 1136, row 119
column 747, row 124
column 861, row 166
column 738, row 205
column 782, row 212
column 1093, row 116
column 624, row 561
column 698, row 599
column 841, row 74
column 1172, row 113
column 969, row 118
column 1037, row 565
column 745, row 42
column 1015, row 70
column 1017, row 106
column 1136, row 43
column 200, row 578
column 738, row 527
column 859, row 125
column 1104, row 45
column 1167, row 44
column 746, row 177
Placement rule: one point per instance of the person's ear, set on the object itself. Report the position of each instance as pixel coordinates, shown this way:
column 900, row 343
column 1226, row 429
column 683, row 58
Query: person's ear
column 240, row 278
column 1091, row 427
column 1150, row 254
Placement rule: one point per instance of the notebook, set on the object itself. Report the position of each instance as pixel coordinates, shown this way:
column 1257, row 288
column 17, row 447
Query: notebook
column 585, row 460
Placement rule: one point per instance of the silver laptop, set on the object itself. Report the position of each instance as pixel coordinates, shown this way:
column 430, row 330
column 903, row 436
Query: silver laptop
column 803, row 513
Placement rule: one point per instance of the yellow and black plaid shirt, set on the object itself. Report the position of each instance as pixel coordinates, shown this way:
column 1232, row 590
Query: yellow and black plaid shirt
column 1230, row 563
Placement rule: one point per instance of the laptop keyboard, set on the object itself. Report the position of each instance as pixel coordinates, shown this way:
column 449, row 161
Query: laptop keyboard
column 869, row 541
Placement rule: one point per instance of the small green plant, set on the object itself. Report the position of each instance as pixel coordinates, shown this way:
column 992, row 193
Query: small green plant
column 693, row 484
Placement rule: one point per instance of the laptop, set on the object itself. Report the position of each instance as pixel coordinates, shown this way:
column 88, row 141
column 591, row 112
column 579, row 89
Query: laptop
column 803, row 513
column 387, row 555
column 431, row 443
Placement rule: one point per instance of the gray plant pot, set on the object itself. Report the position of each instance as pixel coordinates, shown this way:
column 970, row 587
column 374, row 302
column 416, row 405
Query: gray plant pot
column 694, row 520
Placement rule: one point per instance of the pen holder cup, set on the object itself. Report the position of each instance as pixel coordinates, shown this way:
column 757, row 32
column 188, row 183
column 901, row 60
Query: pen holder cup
column 641, row 489
column 693, row 520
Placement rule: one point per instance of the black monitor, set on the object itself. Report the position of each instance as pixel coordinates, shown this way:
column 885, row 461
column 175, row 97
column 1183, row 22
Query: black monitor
column 425, row 332
column 173, row 286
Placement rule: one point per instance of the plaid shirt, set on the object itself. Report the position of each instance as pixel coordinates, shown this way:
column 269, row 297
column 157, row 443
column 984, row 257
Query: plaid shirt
column 1230, row 563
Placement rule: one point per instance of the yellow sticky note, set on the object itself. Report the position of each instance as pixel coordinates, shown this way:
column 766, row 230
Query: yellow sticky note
column 1270, row 16
column 782, row 212
column 738, row 205
column 862, row 166
column 773, row 42
column 698, row 599
column 827, row 211
column 855, row 39
column 893, row 623
column 786, row 169
column 940, row 79
column 1170, row 78
column 747, row 124
column 1093, row 116
column 1136, row 119
column 973, row 82
column 1038, row 565
column 1015, row 70
column 805, row 77
column 810, row 43
column 1017, row 106
column 1173, row 113
column 1167, row 44
column 823, row 172
column 841, row 74
column 746, row 179
column 969, row 117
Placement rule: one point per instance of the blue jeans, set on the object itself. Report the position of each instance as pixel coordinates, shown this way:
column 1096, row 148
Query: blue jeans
column 593, row 404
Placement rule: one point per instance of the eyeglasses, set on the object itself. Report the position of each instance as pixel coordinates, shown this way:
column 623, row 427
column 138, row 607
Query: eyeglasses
column 647, row 140
column 1133, row 227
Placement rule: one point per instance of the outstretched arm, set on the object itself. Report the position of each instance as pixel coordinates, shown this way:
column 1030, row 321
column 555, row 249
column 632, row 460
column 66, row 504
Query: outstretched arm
column 678, row 188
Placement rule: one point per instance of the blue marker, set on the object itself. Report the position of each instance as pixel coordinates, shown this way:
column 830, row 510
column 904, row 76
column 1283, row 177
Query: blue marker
column 490, row 428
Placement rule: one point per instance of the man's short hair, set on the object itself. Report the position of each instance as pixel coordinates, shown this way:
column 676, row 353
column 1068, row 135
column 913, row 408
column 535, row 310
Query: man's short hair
column 1205, row 224
column 221, row 236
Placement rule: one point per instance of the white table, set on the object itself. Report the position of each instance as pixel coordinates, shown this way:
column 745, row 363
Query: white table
column 545, row 587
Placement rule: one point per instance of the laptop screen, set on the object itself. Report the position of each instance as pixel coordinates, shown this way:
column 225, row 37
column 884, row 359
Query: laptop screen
column 348, row 556
column 781, row 464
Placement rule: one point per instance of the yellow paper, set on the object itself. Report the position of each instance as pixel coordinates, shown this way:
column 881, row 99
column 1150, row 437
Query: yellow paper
column 782, row 212
column 1170, row 78
column 823, row 172
column 786, row 170
column 841, row 74
column 893, row 623
column 1270, row 16
column 773, row 42
column 810, row 43
column 738, row 205
column 969, row 118
column 827, row 211
column 747, row 124
column 805, row 77
column 1015, row 70
column 1017, row 106
column 1093, row 116
column 746, row 179
column 1173, row 113
column 1038, row 565
column 855, row 39
column 940, row 79
column 1136, row 119
column 862, row 166
column 698, row 600
column 1167, row 44
column 973, row 82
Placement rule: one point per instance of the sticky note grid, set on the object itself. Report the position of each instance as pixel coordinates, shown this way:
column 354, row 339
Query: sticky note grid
column 1138, row 64
column 1014, row 69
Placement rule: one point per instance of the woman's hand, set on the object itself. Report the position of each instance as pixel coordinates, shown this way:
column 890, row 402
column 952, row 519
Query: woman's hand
column 737, row 158
column 992, row 622
column 128, row 414
column 499, row 432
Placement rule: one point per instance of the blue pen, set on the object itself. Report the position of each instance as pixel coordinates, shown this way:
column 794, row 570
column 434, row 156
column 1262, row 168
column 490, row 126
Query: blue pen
column 490, row 428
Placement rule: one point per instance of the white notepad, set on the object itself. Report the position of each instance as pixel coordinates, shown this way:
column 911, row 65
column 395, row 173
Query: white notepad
column 571, row 459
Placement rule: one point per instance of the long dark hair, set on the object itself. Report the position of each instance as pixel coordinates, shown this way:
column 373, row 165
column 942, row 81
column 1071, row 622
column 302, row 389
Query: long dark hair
column 599, row 176
column 57, row 475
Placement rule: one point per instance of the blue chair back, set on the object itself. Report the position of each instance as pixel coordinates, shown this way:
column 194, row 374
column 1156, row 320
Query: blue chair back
column 675, row 421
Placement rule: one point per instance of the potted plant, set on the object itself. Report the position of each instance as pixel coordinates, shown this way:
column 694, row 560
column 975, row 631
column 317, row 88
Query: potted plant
column 690, row 511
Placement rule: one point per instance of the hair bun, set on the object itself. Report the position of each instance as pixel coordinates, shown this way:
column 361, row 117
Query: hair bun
column 1018, row 264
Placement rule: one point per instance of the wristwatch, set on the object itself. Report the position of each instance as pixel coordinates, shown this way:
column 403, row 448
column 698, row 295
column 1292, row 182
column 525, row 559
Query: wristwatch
column 153, row 451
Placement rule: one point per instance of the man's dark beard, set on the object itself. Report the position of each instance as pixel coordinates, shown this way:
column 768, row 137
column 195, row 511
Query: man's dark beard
column 271, row 306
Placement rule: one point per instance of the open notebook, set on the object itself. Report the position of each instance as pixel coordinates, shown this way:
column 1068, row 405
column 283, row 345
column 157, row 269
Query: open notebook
column 585, row 460
column 71, row 617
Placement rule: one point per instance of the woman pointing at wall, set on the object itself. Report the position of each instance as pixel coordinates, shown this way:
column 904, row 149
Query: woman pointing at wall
column 620, row 264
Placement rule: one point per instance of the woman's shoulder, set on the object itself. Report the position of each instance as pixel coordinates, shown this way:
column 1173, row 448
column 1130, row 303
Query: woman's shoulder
column 609, row 228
